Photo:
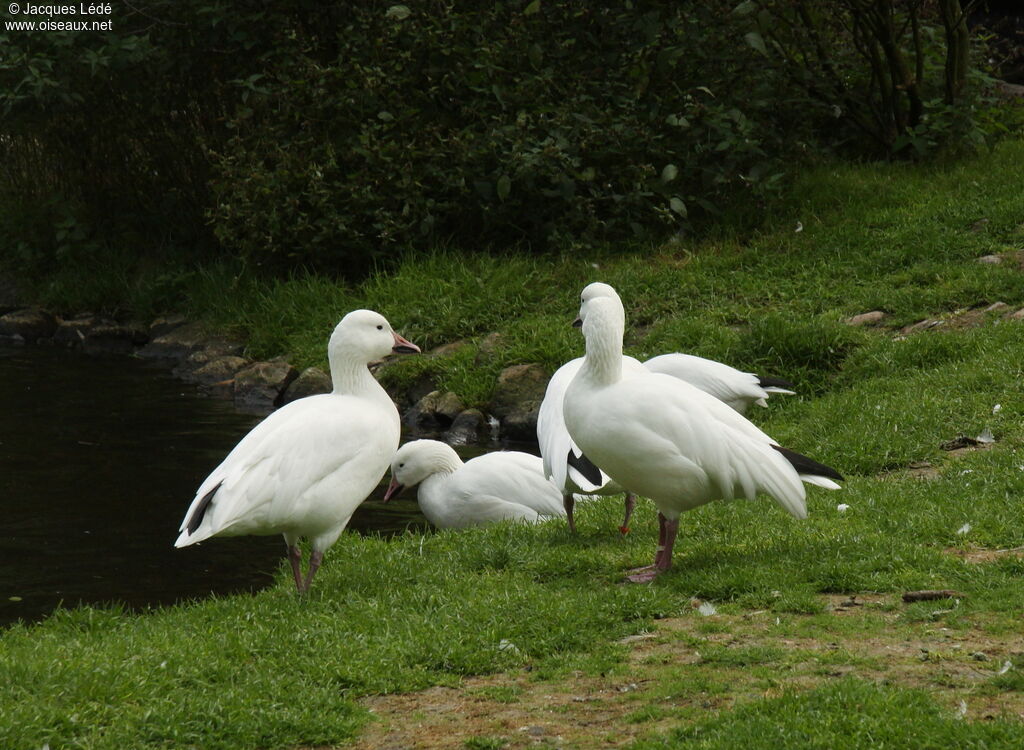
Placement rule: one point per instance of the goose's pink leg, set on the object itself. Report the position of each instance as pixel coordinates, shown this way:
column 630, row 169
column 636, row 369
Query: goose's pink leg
column 664, row 561
column 630, row 504
column 295, row 557
column 314, row 564
column 647, row 573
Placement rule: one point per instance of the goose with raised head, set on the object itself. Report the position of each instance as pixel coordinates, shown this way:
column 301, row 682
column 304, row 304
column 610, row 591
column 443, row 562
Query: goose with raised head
column 567, row 466
column 493, row 487
column 303, row 470
column 666, row 439
column 563, row 462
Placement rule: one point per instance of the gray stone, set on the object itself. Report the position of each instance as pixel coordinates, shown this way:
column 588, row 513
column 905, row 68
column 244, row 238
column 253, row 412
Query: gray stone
column 922, row 325
column 209, row 350
column 449, row 406
column 435, row 411
column 72, row 332
column 165, row 324
column 466, row 427
column 1019, row 315
column 420, row 387
column 488, row 345
column 996, row 307
column 866, row 319
column 219, row 370
column 175, row 344
column 28, row 325
column 991, row 260
column 423, row 415
column 311, row 382
column 107, row 336
column 258, row 388
column 516, row 400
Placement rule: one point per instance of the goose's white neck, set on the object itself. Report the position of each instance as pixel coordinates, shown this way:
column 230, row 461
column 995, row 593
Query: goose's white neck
column 350, row 376
column 603, row 329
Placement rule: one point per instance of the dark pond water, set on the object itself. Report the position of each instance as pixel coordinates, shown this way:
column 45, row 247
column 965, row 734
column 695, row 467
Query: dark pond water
column 99, row 460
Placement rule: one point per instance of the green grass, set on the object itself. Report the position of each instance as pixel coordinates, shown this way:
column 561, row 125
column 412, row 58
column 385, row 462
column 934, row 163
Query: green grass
column 274, row 670
column 849, row 713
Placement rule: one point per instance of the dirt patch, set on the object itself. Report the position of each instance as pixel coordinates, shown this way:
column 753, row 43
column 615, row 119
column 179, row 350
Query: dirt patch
column 917, row 470
column 979, row 555
column 963, row 319
column 659, row 685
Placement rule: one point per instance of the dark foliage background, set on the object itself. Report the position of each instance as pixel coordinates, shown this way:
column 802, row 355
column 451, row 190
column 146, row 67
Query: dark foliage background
column 340, row 136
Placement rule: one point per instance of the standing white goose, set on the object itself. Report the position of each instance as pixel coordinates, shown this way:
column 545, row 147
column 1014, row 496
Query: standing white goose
column 303, row 470
column 492, row 487
column 564, row 463
column 668, row 440
column 573, row 473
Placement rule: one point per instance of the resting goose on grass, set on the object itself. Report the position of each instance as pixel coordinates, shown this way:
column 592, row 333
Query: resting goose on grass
column 568, row 467
column 303, row 470
column 665, row 439
column 489, row 488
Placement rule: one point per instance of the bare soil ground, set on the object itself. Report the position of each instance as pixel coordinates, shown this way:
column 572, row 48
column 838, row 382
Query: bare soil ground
column 666, row 680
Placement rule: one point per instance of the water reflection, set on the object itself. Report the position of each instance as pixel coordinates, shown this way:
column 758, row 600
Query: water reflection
column 99, row 459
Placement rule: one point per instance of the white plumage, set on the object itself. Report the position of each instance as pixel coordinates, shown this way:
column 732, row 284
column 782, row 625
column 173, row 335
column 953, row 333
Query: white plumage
column 555, row 445
column 665, row 439
column 304, row 470
column 489, row 488
column 735, row 388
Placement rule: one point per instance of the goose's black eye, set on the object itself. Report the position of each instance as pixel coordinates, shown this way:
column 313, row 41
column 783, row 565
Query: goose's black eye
column 380, row 328
column 400, row 465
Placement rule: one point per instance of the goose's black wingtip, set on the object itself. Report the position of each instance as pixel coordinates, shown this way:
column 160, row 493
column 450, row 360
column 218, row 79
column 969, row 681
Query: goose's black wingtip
column 196, row 518
column 809, row 466
column 584, row 466
column 770, row 382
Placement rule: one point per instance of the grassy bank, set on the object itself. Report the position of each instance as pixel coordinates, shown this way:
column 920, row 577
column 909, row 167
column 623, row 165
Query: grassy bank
column 273, row 670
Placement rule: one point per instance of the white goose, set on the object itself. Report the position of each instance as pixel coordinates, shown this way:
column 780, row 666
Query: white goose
column 668, row 440
column 303, row 470
column 574, row 474
column 564, row 463
column 492, row 487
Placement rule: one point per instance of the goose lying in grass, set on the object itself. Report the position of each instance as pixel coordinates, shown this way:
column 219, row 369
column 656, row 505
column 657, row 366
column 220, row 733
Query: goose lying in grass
column 570, row 469
column 492, row 487
column 303, row 470
column 665, row 439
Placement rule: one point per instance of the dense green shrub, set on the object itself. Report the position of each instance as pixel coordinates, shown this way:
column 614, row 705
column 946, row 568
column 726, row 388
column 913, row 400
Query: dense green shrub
column 341, row 135
column 495, row 123
column 897, row 75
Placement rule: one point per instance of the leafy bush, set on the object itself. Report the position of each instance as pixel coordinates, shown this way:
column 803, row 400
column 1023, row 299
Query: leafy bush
column 896, row 76
column 343, row 135
column 493, row 123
